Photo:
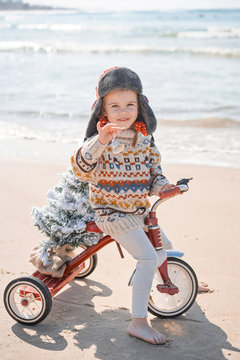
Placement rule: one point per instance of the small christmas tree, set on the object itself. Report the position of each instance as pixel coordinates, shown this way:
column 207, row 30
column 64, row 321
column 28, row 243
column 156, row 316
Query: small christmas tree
column 65, row 217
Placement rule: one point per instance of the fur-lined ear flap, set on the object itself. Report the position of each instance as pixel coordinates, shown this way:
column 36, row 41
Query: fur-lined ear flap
column 147, row 114
column 92, row 124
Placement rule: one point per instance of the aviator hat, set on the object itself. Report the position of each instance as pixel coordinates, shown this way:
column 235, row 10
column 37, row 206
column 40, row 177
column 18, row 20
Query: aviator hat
column 120, row 78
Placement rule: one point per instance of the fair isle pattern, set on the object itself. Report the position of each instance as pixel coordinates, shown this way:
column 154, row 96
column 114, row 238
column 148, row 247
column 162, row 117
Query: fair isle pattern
column 122, row 182
column 118, row 186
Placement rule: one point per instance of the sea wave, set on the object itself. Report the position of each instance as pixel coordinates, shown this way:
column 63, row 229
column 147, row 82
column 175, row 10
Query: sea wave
column 52, row 133
column 29, row 114
column 10, row 16
column 66, row 47
column 210, row 32
column 218, row 147
column 75, row 28
column 60, row 131
column 5, row 26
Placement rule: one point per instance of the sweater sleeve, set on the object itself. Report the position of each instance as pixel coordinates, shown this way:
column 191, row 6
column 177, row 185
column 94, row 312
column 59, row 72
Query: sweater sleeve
column 158, row 180
column 84, row 160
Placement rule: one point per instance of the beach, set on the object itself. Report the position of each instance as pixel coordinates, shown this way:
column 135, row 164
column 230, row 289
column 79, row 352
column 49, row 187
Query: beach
column 188, row 61
column 89, row 317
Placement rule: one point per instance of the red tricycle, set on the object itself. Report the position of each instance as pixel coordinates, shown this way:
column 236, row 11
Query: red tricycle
column 28, row 300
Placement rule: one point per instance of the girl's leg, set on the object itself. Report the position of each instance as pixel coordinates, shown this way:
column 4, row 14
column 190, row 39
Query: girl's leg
column 138, row 245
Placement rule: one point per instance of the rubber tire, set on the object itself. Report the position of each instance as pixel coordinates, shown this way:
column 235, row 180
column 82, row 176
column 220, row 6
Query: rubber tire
column 93, row 263
column 43, row 291
column 193, row 295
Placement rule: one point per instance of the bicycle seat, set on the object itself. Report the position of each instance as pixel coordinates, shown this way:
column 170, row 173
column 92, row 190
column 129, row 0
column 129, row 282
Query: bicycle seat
column 92, row 227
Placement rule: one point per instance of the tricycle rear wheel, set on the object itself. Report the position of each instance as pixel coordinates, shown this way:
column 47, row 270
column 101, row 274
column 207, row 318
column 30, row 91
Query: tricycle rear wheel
column 89, row 265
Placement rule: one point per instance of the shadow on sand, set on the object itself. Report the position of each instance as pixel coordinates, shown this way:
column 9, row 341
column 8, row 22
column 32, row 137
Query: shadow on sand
column 74, row 322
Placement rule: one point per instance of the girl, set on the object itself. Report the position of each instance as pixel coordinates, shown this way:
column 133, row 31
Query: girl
column 122, row 164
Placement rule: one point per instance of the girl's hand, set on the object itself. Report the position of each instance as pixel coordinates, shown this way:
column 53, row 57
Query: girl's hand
column 106, row 133
column 167, row 186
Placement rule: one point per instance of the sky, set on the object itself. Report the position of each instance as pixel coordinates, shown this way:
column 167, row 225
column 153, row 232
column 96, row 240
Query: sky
column 137, row 4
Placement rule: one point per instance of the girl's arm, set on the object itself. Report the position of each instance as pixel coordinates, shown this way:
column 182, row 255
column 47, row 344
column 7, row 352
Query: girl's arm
column 158, row 180
column 84, row 160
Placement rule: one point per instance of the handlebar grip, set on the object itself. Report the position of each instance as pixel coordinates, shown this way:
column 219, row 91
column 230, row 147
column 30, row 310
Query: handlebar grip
column 173, row 191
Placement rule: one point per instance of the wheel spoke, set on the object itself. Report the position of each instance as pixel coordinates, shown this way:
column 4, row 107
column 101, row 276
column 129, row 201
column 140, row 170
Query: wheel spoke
column 36, row 304
column 30, row 310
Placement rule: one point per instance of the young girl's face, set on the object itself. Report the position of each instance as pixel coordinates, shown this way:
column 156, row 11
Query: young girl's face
column 121, row 107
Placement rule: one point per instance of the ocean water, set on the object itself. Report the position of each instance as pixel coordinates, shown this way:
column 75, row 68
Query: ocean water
column 189, row 63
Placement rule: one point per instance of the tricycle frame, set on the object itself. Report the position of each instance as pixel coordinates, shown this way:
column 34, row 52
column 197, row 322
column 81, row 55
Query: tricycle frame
column 39, row 287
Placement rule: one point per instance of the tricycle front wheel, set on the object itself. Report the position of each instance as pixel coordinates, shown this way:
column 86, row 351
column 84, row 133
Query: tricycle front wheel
column 168, row 306
column 27, row 300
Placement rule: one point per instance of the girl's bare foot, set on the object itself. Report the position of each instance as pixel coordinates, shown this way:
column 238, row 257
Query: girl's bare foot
column 140, row 328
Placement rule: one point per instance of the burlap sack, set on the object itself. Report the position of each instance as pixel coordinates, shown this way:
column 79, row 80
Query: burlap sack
column 57, row 258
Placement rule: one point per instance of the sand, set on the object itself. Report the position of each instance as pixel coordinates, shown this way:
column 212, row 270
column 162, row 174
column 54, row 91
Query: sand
column 89, row 317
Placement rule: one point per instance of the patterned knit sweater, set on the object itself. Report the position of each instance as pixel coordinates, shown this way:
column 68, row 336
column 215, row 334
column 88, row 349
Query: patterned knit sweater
column 120, row 184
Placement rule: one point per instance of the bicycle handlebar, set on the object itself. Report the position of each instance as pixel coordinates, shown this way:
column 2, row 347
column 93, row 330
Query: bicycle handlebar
column 179, row 188
column 173, row 191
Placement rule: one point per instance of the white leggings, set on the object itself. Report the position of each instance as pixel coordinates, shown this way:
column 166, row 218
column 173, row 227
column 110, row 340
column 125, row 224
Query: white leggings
column 148, row 259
